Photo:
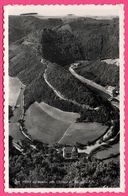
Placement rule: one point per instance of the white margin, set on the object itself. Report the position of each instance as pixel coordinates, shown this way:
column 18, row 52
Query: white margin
column 6, row 126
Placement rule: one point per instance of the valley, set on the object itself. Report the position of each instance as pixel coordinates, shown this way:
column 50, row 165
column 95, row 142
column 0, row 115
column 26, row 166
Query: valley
column 64, row 94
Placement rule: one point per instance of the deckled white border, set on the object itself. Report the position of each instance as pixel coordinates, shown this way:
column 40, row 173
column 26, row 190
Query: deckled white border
column 6, row 126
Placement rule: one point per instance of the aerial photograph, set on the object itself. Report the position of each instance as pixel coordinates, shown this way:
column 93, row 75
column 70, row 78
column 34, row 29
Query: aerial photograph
column 64, row 94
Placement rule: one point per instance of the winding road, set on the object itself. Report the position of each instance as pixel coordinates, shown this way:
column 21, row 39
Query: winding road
column 57, row 93
column 103, row 92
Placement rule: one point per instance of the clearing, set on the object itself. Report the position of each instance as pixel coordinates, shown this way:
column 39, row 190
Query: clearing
column 83, row 132
column 42, row 126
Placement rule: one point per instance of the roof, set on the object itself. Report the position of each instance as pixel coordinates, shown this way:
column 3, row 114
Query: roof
column 68, row 149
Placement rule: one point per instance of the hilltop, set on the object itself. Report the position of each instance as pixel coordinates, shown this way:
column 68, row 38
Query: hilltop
column 84, row 39
column 20, row 26
column 60, row 42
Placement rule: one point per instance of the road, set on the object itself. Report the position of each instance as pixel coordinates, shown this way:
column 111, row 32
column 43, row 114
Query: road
column 61, row 96
column 102, row 91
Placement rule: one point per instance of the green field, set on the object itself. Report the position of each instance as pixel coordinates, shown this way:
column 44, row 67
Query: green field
column 18, row 112
column 59, row 114
column 82, row 132
column 14, row 90
column 42, row 126
column 15, row 132
column 113, row 150
column 114, row 159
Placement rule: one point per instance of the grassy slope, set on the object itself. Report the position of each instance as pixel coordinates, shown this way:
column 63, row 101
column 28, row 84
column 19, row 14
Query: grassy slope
column 82, row 132
column 14, row 89
column 59, row 114
column 43, row 127
column 114, row 149
column 15, row 132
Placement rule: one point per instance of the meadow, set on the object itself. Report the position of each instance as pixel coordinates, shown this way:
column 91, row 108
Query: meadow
column 14, row 90
column 83, row 132
column 59, row 114
column 15, row 132
column 43, row 127
column 106, row 153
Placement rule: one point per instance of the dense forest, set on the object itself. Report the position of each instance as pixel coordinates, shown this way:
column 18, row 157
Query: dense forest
column 44, row 167
column 100, row 72
column 47, row 47
column 21, row 26
column 63, row 81
column 29, row 69
column 82, row 39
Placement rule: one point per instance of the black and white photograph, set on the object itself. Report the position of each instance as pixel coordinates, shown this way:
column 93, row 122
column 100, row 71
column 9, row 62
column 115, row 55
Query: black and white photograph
column 64, row 97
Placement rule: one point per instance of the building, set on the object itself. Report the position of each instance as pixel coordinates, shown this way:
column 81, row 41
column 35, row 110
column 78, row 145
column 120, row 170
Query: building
column 70, row 152
column 67, row 152
column 74, row 154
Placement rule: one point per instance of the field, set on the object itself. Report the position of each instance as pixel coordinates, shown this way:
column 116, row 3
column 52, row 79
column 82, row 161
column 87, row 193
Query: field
column 18, row 112
column 82, row 132
column 113, row 150
column 15, row 132
column 114, row 159
column 42, row 126
column 14, row 90
column 59, row 114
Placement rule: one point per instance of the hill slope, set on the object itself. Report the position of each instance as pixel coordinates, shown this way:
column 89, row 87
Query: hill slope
column 20, row 26
column 81, row 39
column 57, row 41
column 100, row 72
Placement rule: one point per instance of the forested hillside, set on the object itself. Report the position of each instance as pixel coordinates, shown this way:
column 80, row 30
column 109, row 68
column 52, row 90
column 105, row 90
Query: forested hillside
column 83, row 39
column 27, row 66
column 64, row 82
column 20, row 26
column 100, row 72
column 41, row 51
column 63, row 42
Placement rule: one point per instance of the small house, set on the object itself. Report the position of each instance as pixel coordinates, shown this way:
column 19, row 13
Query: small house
column 67, row 152
column 74, row 153
column 70, row 152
